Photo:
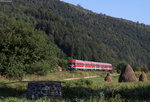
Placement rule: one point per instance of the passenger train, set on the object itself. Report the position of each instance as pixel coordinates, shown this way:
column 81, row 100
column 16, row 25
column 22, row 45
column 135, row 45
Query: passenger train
column 88, row 65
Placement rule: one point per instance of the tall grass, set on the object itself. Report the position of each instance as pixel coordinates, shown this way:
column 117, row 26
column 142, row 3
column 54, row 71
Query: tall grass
column 83, row 90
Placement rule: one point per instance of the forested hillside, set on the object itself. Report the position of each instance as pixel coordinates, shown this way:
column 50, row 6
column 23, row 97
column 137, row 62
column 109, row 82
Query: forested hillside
column 80, row 33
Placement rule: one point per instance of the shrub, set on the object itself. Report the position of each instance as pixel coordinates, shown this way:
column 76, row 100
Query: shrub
column 121, row 66
column 23, row 49
column 136, row 68
column 144, row 69
column 40, row 68
column 15, row 71
column 62, row 63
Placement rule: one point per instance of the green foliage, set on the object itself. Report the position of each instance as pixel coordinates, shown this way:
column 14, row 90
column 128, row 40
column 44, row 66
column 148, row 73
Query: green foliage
column 40, row 68
column 136, row 68
column 15, row 70
column 24, row 50
column 62, row 63
column 144, row 69
column 82, row 34
column 83, row 82
column 121, row 66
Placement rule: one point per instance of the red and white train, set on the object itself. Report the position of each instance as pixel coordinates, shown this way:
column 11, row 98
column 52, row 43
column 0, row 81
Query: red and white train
column 88, row 65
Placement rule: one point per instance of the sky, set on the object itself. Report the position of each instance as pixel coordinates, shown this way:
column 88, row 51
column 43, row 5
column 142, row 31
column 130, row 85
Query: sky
column 134, row 10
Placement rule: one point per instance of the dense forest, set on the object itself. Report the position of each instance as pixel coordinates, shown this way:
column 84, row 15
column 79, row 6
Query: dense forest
column 34, row 32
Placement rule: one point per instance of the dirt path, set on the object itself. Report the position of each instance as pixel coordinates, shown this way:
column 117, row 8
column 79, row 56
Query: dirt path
column 81, row 78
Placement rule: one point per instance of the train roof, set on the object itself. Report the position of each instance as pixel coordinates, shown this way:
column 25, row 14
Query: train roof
column 92, row 62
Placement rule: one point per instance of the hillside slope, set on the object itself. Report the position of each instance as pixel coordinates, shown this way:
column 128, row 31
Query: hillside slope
column 82, row 34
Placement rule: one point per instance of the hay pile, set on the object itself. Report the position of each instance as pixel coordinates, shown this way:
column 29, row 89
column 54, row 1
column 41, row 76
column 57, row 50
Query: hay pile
column 108, row 78
column 143, row 77
column 127, row 75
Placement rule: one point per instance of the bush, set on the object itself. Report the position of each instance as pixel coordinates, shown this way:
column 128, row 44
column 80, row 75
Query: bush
column 24, row 50
column 15, row 71
column 144, row 69
column 136, row 68
column 40, row 68
column 121, row 66
column 62, row 63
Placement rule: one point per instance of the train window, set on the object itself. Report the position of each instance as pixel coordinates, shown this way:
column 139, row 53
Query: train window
column 80, row 64
column 93, row 64
column 88, row 64
column 97, row 65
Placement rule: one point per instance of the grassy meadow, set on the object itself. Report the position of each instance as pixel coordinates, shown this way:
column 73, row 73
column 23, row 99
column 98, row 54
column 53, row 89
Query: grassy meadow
column 81, row 90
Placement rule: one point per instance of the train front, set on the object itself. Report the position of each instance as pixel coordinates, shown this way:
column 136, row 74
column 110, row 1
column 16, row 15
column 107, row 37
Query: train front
column 71, row 64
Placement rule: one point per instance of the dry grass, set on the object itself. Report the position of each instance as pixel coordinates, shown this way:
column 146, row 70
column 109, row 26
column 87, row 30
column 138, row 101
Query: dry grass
column 143, row 77
column 108, row 78
column 127, row 75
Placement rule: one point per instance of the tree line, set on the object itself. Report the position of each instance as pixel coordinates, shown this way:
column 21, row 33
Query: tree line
column 46, row 32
